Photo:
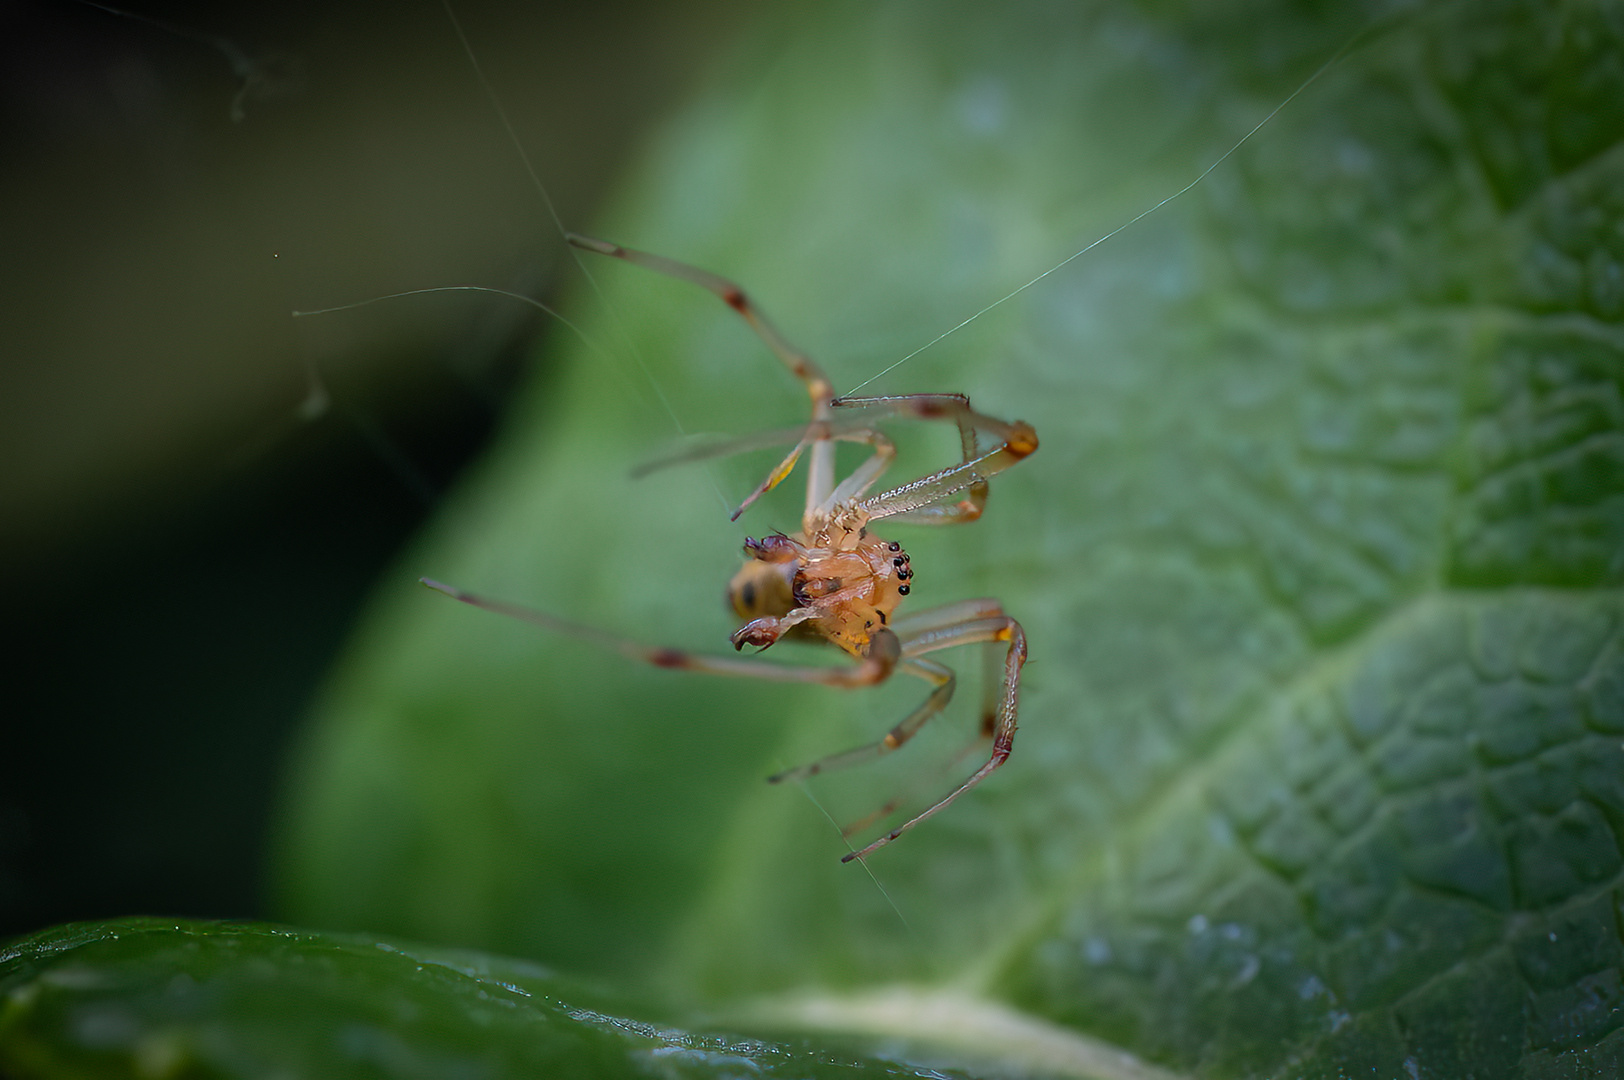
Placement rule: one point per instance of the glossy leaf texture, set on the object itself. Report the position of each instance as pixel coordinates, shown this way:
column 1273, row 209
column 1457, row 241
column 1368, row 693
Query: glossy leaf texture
column 1321, row 761
column 156, row 998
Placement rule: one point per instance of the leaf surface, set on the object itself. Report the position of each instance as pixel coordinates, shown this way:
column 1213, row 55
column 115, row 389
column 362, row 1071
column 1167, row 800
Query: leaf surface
column 1320, row 764
column 156, row 998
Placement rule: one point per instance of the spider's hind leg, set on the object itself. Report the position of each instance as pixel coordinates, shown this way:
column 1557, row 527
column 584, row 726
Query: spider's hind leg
column 987, row 723
column 970, row 622
column 943, row 682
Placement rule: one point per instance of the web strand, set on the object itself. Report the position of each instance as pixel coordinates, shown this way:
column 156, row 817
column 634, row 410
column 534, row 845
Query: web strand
column 563, row 232
column 869, row 870
column 1335, row 59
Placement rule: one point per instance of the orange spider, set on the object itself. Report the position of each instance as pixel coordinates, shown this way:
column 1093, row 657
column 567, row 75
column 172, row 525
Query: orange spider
column 836, row 580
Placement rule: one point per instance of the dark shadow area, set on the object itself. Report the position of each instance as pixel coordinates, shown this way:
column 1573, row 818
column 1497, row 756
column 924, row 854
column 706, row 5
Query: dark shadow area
column 197, row 491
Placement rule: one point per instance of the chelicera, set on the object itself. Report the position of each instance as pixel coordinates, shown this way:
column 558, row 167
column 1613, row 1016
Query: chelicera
column 837, row 580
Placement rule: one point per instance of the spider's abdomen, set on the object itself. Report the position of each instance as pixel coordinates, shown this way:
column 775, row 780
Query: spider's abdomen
column 762, row 588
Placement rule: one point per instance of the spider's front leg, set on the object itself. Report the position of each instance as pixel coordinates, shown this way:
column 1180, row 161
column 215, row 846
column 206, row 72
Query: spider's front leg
column 874, row 663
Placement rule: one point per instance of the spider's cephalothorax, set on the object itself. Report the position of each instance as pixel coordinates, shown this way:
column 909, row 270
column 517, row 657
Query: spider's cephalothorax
column 839, row 585
column 835, row 580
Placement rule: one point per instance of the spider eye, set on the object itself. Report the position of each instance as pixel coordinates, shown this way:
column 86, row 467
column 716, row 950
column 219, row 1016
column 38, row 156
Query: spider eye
column 903, row 589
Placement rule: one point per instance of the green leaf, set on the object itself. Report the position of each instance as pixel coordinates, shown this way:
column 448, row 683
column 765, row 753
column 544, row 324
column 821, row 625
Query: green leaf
column 1320, row 762
column 155, row 998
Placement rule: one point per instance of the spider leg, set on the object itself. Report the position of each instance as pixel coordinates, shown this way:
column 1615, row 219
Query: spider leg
column 839, row 429
column 703, row 448
column 922, row 501
column 936, row 630
column 992, row 660
column 921, row 632
column 799, row 364
column 876, row 665
column 862, row 478
column 894, row 803
column 821, row 467
column 964, row 623
column 942, row 680
column 821, row 435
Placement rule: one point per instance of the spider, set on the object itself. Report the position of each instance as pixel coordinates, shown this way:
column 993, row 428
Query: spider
column 836, row 580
